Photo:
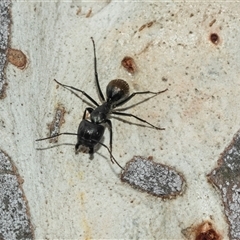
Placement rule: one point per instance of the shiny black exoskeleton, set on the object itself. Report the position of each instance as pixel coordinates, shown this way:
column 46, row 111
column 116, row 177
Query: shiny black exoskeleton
column 91, row 129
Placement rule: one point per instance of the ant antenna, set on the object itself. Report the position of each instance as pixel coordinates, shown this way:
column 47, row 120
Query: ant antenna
column 75, row 134
column 57, row 135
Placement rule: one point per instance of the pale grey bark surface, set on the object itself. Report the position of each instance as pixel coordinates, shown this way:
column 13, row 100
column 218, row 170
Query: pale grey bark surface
column 72, row 197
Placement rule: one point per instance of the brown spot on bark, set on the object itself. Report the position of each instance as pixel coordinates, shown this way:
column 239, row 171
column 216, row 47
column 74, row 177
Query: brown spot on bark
column 17, row 58
column 129, row 64
column 214, row 38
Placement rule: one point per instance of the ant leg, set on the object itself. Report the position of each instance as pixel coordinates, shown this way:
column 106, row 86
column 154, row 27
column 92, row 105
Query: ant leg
column 66, row 133
column 79, row 90
column 111, row 155
column 87, row 109
column 140, row 119
column 133, row 94
column 90, row 151
column 96, row 73
column 110, row 129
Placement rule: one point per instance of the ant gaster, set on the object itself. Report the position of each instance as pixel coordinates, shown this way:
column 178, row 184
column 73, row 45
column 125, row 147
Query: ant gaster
column 91, row 132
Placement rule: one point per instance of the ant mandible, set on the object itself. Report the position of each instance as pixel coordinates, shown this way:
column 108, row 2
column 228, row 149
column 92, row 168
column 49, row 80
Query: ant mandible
column 90, row 132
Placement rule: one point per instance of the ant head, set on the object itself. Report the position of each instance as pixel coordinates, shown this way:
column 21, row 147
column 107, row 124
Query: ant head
column 117, row 90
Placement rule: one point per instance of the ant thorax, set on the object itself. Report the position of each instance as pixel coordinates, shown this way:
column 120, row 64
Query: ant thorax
column 100, row 114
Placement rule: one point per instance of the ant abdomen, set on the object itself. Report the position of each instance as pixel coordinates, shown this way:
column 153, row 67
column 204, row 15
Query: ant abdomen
column 117, row 90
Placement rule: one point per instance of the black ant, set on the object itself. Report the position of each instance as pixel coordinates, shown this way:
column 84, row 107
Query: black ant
column 90, row 132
